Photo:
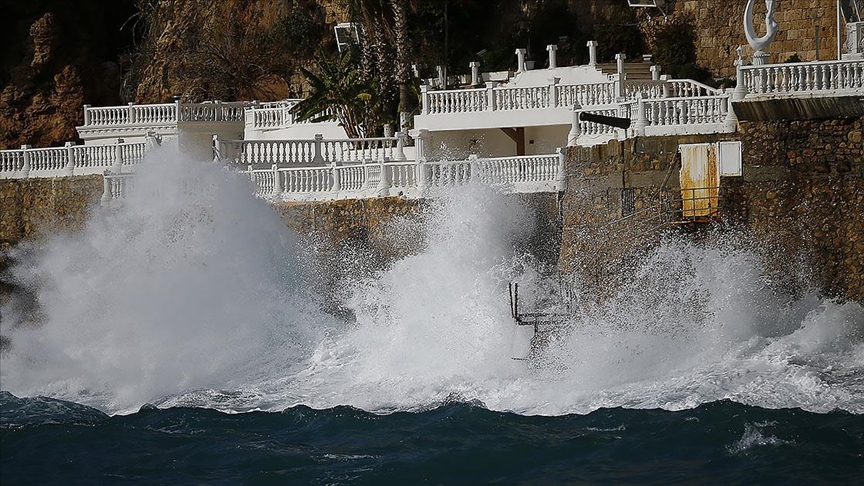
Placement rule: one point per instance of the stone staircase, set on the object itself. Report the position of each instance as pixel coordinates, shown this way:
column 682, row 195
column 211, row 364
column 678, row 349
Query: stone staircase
column 635, row 71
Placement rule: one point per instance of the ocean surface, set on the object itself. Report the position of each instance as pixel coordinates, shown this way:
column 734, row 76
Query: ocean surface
column 189, row 337
column 47, row 441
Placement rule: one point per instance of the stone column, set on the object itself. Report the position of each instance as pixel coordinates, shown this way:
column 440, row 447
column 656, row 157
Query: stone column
column 655, row 72
column 520, row 60
column 561, row 176
column 400, row 145
column 218, row 155
column 553, row 58
column 25, row 165
column 106, row 188
column 490, row 95
column 592, row 53
column 475, row 73
column 553, row 91
column 317, row 158
column 337, row 182
column 69, row 170
column 574, row 127
column 424, row 99
column 383, row 189
column 131, row 114
column 87, row 117
column 641, row 118
column 277, row 180
column 118, row 156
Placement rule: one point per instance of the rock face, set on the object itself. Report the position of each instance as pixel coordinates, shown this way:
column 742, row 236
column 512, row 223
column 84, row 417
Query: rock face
column 719, row 25
column 56, row 56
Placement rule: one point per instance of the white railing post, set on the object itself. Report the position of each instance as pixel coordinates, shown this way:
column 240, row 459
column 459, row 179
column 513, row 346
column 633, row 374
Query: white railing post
column 25, row 165
column 473, row 170
column 177, row 111
column 490, row 95
column 561, row 176
column 641, row 117
column 574, row 127
column 70, row 159
column 316, row 146
column 106, row 188
column 655, row 72
column 152, row 140
column 592, row 53
column 619, row 87
column 277, row 180
column 740, row 89
column 421, row 144
column 424, row 95
column 400, row 145
column 217, row 149
column 553, row 58
column 337, row 182
column 383, row 189
column 475, row 73
column 520, row 59
column 118, row 156
column 217, row 106
column 87, row 116
column 553, row 91
column 731, row 120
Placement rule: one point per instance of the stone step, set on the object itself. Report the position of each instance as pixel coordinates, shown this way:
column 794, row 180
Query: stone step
column 634, row 70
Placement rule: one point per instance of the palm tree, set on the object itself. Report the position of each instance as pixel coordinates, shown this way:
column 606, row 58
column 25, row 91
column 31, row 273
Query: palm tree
column 385, row 25
column 339, row 91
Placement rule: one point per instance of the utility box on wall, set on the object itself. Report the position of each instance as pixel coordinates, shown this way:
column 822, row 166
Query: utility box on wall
column 729, row 157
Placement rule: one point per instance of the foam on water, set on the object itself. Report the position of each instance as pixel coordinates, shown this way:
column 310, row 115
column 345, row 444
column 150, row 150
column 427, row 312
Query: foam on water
column 193, row 294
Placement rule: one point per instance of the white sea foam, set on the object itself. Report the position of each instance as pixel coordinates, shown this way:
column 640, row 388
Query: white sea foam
column 192, row 294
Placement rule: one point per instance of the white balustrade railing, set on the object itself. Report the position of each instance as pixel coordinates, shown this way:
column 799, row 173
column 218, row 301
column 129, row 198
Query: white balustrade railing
column 115, row 187
column 687, row 88
column 69, row 160
column 554, row 95
column 276, row 115
column 318, row 151
column 163, row 114
column 801, row 77
column 586, row 94
column 532, row 173
column 685, row 111
column 595, row 130
column 458, row 101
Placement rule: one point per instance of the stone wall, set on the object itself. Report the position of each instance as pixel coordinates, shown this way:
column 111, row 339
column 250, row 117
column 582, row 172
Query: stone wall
column 801, row 196
column 373, row 224
column 803, row 192
column 31, row 207
column 720, row 29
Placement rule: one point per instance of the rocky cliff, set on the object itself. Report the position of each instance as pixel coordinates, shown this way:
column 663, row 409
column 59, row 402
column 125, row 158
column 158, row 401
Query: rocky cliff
column 56, row 56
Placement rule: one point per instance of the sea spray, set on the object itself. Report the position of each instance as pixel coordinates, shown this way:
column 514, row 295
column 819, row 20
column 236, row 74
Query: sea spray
column 192, row 294
column 186, row 286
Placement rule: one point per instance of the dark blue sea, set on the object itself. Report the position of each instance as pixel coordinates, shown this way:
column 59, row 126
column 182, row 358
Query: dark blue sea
column 189, row 337
column 47, row 441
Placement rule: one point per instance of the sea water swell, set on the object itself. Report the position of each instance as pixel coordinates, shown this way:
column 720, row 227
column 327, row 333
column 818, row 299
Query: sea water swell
column 50, row 441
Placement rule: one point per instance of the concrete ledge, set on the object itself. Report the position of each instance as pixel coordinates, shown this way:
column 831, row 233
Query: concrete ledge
column 798, row 108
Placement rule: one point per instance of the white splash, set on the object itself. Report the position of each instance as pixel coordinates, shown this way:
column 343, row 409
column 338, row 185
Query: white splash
column 191, row 294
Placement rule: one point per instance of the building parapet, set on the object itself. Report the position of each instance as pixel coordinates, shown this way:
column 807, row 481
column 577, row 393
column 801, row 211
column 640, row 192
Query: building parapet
column 410, row 179
column 70, row 160
column 817, row 78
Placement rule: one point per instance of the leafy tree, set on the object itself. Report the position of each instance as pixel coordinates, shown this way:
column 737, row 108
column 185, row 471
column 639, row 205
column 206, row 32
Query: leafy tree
column 339, row 91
